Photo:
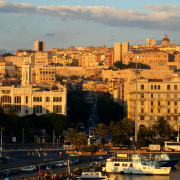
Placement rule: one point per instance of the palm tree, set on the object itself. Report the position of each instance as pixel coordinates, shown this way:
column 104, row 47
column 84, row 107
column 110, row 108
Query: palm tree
column 112, row 128
column 143, row 132
column 101, row 130
column 80, row 140
column 168, row 130
column 154, row 129
column 125, row 125
column 118, row 137
column 161, row 123
column 71, row 135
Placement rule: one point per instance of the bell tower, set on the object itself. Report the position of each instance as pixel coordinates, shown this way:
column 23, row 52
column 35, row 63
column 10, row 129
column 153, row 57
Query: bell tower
column 26, row 74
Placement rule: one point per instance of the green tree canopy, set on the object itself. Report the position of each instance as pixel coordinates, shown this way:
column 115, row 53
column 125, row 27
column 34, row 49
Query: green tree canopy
column 107, row 109
column 7, row 54
column 101, row 130
column 52, row 121
column 131, row 65
column 80, row 140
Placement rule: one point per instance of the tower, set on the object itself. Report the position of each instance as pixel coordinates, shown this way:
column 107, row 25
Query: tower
column 39, row 45
column 26, row 74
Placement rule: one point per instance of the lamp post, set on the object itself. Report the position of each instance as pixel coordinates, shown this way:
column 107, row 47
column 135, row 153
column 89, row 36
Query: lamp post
column 45, row 154
column 60, row 154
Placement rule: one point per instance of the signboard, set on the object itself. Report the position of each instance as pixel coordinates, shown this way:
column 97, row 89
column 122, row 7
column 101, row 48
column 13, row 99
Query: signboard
column 13, row 139
column 121, row 155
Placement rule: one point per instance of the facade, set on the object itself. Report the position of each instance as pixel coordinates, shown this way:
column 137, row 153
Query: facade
column 119, row 50
column 28, row 99
column 150, row 42
column 42, row 58
column 39, row 45
column 109, row 59
column 10, row 82
column 6, row 68
column 16, row 60
column 155, row 98
column 165, row 41
column 45, row 75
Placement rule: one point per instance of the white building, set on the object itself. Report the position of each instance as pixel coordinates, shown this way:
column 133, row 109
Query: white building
column 28, row 99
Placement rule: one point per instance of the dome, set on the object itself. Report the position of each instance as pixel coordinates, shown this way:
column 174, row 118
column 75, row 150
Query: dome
column 166, row 38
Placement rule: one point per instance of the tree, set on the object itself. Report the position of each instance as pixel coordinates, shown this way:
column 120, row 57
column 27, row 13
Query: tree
column 113, row 127
column 106, row 80
column 100, row 79
column 7, row 54
column 143, row 131
column 71, row 135
column 168, row 130
column 93, row 149
column 118, row 137
column 101, row 130
column 52, row 121
column 107, row 109
column 125, row 125
column 60, row 78
column 80, row 140
column 73, row 77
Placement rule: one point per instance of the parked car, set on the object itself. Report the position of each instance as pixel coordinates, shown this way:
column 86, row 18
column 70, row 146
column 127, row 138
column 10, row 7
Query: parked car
column 28, row 169
column 19, row 170
column 59, row 164
column 13, row 171
column 4, row 173
column 42, row 173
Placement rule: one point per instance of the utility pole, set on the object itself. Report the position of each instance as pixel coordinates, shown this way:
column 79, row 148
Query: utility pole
column 1, row 140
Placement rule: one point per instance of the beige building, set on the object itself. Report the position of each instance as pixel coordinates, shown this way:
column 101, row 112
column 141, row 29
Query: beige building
column 6, row 68
column 43, row 58
column 150, row 42
column 44, row 75
column 16, row 60
column 155, row 98
column 28, row 99
column 89, row 60
column 39, row 45
column 119, row 50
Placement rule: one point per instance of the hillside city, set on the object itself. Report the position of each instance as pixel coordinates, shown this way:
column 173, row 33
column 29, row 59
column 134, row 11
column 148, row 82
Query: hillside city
column 72, row 82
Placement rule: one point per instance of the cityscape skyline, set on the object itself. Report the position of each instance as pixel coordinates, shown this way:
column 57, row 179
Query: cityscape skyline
column 62, row 24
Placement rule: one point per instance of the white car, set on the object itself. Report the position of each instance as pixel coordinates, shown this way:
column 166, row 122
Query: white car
column 28, row 169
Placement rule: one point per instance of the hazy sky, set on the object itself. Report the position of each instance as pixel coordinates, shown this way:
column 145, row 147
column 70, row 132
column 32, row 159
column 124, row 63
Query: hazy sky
column 60, row 23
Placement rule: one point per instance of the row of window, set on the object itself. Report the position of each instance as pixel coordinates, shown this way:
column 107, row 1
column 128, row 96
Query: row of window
column 175, row 118
column 159, row 111
column 159, row 103
column 155, row 87
column 159, row 95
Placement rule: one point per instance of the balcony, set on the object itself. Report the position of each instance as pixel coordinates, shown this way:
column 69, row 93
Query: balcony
column 168, row 99
column 152, row 106
column 175, row 114
column 159, row 106
column 142, row 114
column 175, row 99
column 169, row 114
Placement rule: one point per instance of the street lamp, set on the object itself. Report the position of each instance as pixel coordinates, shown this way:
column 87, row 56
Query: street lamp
column 60, row 154
column 45, row 154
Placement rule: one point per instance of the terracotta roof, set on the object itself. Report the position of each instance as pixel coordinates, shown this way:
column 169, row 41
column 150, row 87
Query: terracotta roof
column 155, row 80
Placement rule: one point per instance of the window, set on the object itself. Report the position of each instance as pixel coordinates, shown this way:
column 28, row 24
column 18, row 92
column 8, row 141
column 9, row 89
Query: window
column 175, row 95
column 17, row 99
column 159, row 103
column 175, row 103
column 142, row 86
column 175, row 87
column 151, row 110
column 141, row 117
column 57, row 109
column 142, row 95
column 144, row 167
column 168, row 87
column 151, row 95
column 26, row 111
column 124, row 165
column 168, row 117
column 151, row 117
column 159, row 95
column 47, row 99
column 168, row 111
column 159, row 110
column 151, row 103
column 168, row 95
column 155, row 87
column 175, row 110
column 142, row 110
column 26, row 99
column 37, row 109
column 175, row 118
column 57, row 99
column 159, row 87
column 116, row 164
column 151, row 86
column 168, row 103
column 142, row 102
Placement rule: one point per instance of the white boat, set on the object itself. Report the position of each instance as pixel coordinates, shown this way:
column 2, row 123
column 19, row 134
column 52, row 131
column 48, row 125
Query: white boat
column 139, row 166
column 97, row 175
column 134, row 164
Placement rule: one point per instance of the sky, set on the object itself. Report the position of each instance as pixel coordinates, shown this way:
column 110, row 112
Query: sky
column 62, row 23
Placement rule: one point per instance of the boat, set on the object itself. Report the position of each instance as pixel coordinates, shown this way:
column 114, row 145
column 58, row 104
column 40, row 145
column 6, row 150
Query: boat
column 165, row 160
column 96, row 176
column 143, row 167
column 134, row 164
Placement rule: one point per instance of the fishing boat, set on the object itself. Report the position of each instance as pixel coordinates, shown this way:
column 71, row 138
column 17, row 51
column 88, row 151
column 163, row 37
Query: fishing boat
column 165, row 160
column 134, row 164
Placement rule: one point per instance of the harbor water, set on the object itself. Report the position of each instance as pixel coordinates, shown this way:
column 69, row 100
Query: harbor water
column 174, row 175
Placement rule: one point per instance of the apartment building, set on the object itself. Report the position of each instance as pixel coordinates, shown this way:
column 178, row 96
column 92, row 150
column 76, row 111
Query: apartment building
column 6, row 68
column 39, row 45
column 43, row 58
column 155, row 98
column 15, row 60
